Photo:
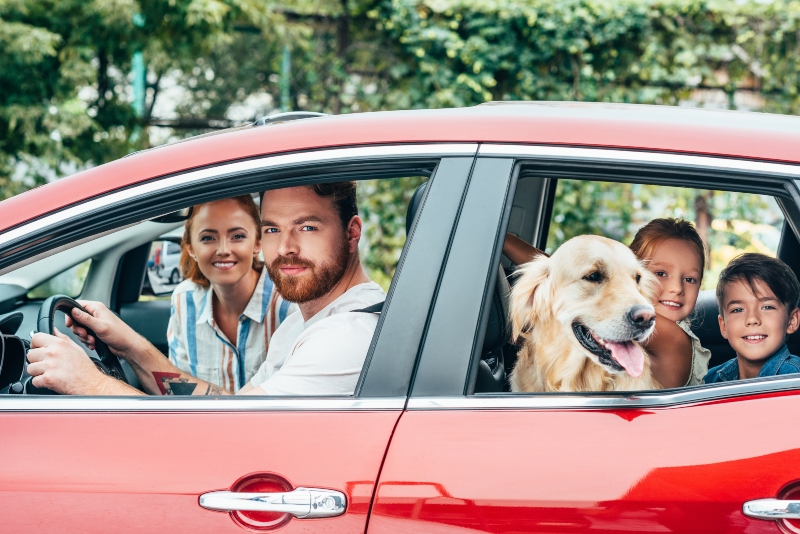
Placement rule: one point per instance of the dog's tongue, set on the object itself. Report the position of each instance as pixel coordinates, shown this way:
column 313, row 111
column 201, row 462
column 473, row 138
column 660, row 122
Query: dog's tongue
column 628, row 355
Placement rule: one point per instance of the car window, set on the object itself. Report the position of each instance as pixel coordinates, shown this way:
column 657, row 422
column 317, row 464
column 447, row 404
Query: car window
column 69, row 282
column 382, row 206
column 730, row 223
column 550, row 212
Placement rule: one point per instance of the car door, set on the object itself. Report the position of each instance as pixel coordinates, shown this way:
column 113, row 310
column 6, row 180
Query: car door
column 683, row 460
column 83, row 464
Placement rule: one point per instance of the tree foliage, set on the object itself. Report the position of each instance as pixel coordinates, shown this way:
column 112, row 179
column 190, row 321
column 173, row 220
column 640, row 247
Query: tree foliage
column 66, row 91
column 729, row 223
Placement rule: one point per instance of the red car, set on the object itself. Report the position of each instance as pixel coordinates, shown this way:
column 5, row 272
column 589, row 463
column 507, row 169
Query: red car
column 432, row 440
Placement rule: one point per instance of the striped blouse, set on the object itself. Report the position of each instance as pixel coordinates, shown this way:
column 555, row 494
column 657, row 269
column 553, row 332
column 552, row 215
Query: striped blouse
column 198, row 346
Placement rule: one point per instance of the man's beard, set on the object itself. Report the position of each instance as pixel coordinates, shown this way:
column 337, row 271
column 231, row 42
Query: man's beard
column 315, row 282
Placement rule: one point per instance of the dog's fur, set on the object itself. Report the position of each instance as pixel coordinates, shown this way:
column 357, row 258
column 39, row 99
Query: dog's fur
column 552, row 294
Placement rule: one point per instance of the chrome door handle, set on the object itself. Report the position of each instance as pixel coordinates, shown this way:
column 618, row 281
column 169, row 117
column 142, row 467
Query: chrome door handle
column 772, row 509
column 301, row 503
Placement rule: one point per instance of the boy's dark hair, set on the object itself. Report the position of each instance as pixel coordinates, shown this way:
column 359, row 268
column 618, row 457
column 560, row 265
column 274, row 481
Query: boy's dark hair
column 342, row 194
column 750, row 267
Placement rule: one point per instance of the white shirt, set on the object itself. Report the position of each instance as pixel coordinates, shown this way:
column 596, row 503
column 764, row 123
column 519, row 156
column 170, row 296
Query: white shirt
column 197, row 345
column 324, row 355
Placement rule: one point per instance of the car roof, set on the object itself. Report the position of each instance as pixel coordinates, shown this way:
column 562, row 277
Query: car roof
column 749, row 135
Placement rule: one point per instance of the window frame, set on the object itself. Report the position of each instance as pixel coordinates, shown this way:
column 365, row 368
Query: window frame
column 779, row 180
column 54, row 232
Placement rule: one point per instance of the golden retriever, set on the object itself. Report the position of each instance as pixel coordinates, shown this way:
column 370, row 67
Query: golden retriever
column 581, row 315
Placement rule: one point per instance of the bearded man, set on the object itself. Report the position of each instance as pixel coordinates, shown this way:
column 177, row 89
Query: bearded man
column 310, row 238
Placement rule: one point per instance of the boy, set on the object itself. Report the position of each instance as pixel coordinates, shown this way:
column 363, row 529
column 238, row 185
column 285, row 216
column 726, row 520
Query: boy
column 758, row 298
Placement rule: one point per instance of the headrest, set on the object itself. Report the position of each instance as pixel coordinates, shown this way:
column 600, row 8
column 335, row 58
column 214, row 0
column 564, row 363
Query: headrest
column 413, row 206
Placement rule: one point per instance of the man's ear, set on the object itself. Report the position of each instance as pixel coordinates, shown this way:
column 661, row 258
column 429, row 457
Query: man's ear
column 722, row 329
column 353, row 230
column 794, row 321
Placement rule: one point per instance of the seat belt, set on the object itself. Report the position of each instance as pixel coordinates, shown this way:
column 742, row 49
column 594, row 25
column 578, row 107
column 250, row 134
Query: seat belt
column 375, row 308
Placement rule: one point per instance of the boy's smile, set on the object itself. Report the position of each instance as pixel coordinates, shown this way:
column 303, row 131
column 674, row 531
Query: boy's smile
column 755, row 325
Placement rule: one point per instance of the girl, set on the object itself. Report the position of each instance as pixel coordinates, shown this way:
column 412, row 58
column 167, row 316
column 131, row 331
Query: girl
column 674, row 252
column 226, row 310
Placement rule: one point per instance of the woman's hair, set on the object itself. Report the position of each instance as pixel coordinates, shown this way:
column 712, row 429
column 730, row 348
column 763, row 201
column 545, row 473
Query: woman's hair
column 657, row 231
column 189, row 267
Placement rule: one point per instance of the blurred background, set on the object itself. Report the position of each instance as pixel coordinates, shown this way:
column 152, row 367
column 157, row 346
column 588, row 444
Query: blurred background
column 83, row 82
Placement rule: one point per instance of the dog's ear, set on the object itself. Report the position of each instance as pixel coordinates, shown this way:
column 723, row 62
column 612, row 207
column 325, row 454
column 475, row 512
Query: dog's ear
column 524, row 295
column 649, row 285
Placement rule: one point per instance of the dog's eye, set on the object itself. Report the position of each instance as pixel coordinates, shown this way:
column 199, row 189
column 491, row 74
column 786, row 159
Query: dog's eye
column 638, row 278
column 594, row 276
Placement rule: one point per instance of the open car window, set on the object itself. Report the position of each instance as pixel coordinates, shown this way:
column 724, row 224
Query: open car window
column 729, row 222
column 134, row 270
column 549, row 212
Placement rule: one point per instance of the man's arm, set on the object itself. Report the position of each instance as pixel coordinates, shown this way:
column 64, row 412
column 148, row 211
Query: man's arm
column 70, row 371
column 59, row 364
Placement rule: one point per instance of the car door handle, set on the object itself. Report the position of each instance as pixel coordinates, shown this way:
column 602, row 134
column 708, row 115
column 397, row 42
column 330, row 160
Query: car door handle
column 301, row 503
column 772, row 509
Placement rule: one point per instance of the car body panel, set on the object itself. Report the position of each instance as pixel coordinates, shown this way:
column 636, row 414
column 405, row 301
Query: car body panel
column 655, row 128
column 686, row 468
column 144, row 472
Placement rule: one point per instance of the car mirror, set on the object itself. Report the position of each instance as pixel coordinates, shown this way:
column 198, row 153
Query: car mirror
column 163, row 267
column 175, row 216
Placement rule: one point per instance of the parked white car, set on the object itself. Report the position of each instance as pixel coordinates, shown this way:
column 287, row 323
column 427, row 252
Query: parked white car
column 166, row 261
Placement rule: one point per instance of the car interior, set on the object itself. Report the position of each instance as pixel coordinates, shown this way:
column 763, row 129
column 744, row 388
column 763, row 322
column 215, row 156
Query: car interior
column 131, row 269
column 531, row 217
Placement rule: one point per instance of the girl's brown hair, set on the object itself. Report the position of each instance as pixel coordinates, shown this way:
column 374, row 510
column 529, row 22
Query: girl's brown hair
column 657, row 231
column 189, row 267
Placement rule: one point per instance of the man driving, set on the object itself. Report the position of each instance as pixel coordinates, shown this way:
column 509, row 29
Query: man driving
column 310, row 238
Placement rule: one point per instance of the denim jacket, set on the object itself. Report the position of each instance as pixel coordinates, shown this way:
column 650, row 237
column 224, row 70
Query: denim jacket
column 780, row 363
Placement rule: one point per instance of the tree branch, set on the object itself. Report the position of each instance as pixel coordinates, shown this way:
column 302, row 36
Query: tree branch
column 192, row 123
column 149, row 112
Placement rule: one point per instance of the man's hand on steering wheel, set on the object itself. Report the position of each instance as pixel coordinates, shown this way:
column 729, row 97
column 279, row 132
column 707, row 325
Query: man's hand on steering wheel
column 119, row 337
column 59, row 364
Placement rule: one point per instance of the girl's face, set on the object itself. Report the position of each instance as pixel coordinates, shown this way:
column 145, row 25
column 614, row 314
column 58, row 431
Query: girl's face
column 676, row 265
column 224, row 240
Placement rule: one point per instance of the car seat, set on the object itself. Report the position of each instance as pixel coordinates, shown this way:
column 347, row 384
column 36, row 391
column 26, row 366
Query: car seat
column 491, row 373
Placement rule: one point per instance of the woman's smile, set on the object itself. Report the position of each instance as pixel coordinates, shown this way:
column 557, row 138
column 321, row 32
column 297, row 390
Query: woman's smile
column 224, row 265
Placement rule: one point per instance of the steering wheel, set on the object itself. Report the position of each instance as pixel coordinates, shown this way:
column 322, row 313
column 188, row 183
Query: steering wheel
column 106, row 361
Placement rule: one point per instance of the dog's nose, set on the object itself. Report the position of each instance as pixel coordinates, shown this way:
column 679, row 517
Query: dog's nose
column 641, row 316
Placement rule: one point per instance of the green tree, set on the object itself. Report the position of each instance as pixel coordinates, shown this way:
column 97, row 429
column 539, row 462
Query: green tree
column 64, row 67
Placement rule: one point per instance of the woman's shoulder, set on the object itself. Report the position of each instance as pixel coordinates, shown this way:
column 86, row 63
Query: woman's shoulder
column 700, row 355
column 189, row 287
column 687, row 327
